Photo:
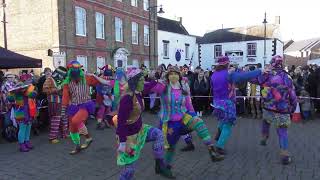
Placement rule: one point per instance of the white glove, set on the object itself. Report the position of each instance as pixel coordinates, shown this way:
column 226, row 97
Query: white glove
column 122, row 147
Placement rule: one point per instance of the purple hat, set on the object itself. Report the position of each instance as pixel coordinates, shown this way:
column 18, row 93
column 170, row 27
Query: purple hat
column 132, row 72
column 276, row 61
column 223, row 60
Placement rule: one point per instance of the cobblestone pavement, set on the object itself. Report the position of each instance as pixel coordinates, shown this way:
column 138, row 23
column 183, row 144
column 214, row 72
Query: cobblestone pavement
column 246, row 159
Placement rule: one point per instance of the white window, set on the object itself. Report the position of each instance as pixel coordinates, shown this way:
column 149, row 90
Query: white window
column 134, row 3
column 146, row 35
column 135, row 33
column 99, row 25
column 166, row 49
column 101, row 62
column 187, row 51
column 252, row 49
column 146, row 5
column 135, row 63
column 81, row 24
column 217, row 51
column 83, row 61
column 119, row 29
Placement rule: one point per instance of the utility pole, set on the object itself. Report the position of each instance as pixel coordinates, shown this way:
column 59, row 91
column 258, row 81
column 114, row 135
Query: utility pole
column 4, row 24
column 265, row 39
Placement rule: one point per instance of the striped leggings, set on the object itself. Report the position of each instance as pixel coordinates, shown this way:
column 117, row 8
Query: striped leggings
column 57, row 124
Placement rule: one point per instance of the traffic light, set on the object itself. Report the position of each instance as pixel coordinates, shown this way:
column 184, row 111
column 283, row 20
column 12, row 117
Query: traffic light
column 274, row 47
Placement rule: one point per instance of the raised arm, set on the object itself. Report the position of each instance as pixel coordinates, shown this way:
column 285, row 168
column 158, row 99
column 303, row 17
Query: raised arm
column 238, row 77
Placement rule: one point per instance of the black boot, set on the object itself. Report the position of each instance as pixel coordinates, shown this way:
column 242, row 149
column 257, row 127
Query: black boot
column 76, row 150
column 189, row 147
column 285, row 160
column 100, row 126
column 163, row 170
column 263, row 142
column 215, row 156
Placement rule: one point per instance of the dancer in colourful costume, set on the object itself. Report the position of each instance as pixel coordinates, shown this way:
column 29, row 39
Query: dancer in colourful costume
column 76, row 102
column 177, row 116
column 132, row 133
column 279, row 101
column 223, row 82
column 104, row 97
column 52, row 87
column 21, row 98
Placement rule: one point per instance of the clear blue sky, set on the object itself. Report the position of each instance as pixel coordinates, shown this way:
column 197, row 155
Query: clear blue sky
column 299, row 19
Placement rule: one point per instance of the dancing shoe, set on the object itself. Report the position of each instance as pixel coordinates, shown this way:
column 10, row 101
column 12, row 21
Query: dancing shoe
column 29, row 145
column 87, row 143
column 263, row 142
column 285, row 160
column 54, row 141
column 221, row 151
column 76, row 150
column 23, row 148
column 214, row 154
column 163, row 170
column 188, row 147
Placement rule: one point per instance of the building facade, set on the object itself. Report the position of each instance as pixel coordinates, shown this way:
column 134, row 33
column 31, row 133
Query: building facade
column 95, row 32
column 243, row 45
column 175, row 45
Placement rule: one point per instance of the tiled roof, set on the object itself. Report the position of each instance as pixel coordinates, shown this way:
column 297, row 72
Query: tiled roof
column 171, row 26
column 302, row 45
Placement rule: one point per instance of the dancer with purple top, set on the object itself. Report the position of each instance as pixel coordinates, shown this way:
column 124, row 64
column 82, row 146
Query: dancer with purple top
column 223, row 83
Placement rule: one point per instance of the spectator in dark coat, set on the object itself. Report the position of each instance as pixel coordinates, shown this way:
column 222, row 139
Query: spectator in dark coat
column 200, row 88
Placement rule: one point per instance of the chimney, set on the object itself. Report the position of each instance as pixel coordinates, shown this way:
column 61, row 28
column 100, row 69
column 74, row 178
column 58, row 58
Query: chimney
column 277, row 20
column 180, row 20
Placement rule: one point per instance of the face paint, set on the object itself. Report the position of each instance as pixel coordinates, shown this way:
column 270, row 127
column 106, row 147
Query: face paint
column 75, row 74
column 140, row 85
column 173, row 78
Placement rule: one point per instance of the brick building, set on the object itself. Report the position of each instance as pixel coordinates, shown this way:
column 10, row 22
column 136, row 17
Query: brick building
column 92, row 31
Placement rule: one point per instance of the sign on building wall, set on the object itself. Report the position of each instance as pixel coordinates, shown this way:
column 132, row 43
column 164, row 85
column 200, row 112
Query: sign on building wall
column 59, row 59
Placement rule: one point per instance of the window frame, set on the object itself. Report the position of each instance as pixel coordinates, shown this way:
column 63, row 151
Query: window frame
column 215, row 51
column 103, row 60
column 135, row 33
column 146, row 37
column 134, row 3
column 102, row 24
column 187, row 51
column 251, row 49
column 83, row 19
column 120, row 25
column 165, row 50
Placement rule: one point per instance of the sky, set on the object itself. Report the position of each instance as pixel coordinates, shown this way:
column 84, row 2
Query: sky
column 299, row 19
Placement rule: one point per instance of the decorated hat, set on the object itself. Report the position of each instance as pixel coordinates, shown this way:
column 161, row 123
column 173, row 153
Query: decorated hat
column 132, row 71
column 173, row 69
column 276, row 61
column 9, row 75
column 74, row 64
column 108, row 70
column 223, row 60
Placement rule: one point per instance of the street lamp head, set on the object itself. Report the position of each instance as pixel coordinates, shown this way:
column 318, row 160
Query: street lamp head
column 265, row 21
column 160, row 10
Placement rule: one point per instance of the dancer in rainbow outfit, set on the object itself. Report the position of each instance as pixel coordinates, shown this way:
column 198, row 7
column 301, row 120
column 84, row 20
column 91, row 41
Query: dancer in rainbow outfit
column 279, row 101
column 77, row 103
column 177, row 116
column 21, row 98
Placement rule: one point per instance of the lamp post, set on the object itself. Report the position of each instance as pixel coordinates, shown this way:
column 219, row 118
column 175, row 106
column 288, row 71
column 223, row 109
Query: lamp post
column 265, row 39
column 4, row 24
column 151, row 9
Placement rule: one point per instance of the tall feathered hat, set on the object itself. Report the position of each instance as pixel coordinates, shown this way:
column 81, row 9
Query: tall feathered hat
column 108, row 70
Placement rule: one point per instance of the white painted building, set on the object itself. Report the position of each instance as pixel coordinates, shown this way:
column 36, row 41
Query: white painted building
column 244, row 45
column 175, row 45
